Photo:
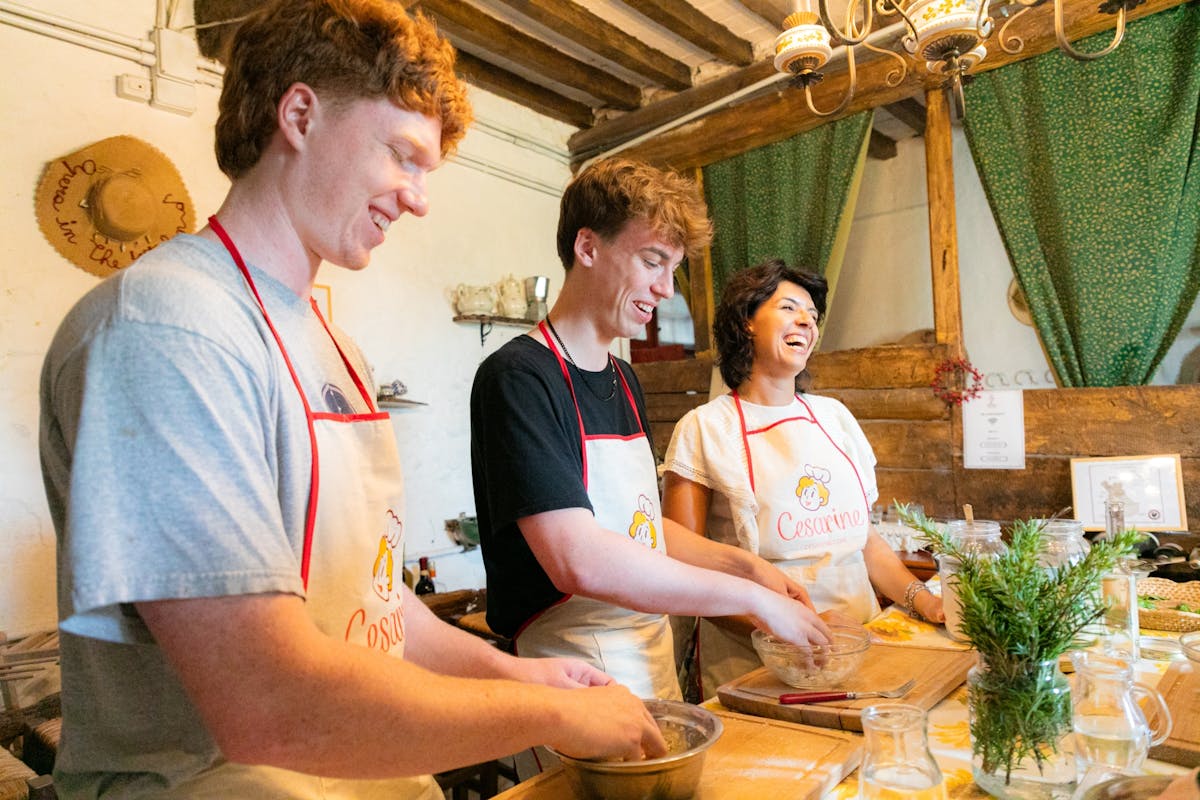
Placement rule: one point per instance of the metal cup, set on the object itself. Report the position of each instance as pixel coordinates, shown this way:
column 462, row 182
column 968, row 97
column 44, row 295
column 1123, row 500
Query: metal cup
column 537, row 289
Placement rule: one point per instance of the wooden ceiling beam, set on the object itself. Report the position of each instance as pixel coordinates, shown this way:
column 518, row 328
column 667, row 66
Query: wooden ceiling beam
column 526, row 93
column 685, row 21
column 617, row 131
column 607, row 40
column 782, row 114
column 910, row 112
column 880, row 146
column 771, row 11
column 462, row 23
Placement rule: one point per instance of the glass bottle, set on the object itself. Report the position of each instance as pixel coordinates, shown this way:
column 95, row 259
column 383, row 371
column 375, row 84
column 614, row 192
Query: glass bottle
column 1062, row 542
column 981, row 537
column 1112, row 735
column 1118, row 629
column 897, row 762
column 424, row 582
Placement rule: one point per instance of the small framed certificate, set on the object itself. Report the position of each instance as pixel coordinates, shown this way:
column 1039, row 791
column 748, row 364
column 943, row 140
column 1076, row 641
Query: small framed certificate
column 1151, row 487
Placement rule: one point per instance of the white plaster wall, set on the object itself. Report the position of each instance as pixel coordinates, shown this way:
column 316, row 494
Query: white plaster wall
column 493, row 212
column 885, row 289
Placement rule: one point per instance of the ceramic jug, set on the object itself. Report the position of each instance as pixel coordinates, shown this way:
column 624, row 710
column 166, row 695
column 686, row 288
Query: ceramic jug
column 512, row 297
column 475, row 299
column 1111, row 732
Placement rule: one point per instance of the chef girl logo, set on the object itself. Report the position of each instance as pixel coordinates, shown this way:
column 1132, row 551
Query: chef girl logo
column 383, row 571
column 641, row 530
column 382, row 628
column 813, row 490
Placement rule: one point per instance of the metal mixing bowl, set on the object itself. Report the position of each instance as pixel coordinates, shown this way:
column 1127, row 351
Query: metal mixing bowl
column 823, row 666
column 675, row 776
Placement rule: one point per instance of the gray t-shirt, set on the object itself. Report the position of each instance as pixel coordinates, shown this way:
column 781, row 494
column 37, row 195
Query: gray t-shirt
column 176, row 459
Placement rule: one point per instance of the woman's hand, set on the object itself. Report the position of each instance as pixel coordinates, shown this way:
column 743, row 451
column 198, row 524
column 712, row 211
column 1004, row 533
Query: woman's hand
column 766, row 574
column 929, row 606
column 833, row 617
column 789, row 619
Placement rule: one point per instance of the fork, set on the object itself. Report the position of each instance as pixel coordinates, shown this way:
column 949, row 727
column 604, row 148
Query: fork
column 825, row 697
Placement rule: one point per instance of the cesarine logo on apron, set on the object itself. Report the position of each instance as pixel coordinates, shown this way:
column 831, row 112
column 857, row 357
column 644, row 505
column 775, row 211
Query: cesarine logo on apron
column 815, row 521
column 642, row 530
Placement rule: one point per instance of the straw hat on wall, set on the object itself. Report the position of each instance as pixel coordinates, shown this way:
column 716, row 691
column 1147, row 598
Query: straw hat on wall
column 105, row 205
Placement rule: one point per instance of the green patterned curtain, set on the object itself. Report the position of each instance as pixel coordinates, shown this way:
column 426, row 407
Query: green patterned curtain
column 1092, row 171
column 792, row 200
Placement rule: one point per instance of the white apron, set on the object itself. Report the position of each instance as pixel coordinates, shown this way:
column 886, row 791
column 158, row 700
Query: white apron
column 352, row 565
column 812, row 523
column 634, row 648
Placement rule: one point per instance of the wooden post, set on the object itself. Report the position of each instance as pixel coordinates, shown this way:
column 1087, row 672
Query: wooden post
column 943, row 230
column 701, row 302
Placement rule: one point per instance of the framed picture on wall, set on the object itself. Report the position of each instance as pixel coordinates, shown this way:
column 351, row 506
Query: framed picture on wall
column 1151, row 487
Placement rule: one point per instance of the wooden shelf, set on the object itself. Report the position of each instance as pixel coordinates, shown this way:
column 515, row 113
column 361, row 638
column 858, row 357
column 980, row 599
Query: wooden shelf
column 486, row 321
column 492, row 319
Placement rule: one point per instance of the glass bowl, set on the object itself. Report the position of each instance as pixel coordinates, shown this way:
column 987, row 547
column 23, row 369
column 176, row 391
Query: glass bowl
column 816, row 666
column 689, row 731
column 1190, row 642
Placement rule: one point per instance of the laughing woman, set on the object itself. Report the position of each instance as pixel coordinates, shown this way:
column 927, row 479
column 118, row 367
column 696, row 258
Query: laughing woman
column 786, row 475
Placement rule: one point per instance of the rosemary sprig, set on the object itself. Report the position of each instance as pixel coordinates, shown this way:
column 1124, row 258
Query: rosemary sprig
column 1021, row 616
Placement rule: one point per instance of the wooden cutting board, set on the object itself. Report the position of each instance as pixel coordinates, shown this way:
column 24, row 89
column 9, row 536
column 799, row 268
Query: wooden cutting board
column 938, row 672
column 754, row 759
column 1180, row 687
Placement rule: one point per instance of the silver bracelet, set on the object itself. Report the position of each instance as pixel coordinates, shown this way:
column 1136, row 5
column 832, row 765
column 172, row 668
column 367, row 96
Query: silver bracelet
column 910, row 594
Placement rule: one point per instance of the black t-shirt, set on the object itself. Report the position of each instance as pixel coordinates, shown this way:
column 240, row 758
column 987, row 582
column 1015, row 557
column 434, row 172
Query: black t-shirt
column 526, row 459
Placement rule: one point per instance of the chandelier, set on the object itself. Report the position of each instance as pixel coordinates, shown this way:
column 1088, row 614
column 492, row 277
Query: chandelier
column 948, row 35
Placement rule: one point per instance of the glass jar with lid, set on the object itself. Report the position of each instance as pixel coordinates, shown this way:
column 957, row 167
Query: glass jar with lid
column 1062, row 542
column 980, row 537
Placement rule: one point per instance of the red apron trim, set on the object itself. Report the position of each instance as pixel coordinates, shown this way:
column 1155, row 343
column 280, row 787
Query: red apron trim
column 631, row 437
column 780, row 422
column 534, row 618
column 310, row 517
column 562, row 365
column 367, row 397
column 629, row 397
column 737, row 402
column 861, row 488
column 374, row 416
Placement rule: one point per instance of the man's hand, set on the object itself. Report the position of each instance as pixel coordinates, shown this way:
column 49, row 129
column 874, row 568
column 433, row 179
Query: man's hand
column 610, row 724
column 562, row 673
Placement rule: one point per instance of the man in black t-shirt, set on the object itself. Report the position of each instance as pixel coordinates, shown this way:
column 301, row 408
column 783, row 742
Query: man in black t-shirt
column 578, row 556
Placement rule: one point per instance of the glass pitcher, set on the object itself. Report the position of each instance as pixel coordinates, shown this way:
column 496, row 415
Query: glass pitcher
column 1111, row 732
column 977, row 536
column 897, row 763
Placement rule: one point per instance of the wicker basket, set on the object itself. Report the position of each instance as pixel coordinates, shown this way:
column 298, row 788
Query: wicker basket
column 1165, row 616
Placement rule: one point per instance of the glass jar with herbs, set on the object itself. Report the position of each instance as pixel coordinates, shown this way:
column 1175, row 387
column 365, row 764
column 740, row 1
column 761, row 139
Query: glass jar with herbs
column 1021, row 615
